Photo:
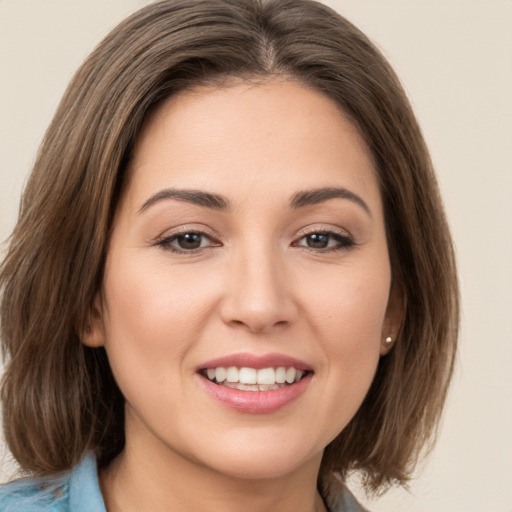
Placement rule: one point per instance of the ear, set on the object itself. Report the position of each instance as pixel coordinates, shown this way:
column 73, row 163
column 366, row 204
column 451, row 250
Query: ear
column 93, row 334
column 395, row 313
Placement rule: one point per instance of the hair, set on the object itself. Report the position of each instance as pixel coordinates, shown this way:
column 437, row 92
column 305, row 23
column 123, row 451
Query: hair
column 59, row 396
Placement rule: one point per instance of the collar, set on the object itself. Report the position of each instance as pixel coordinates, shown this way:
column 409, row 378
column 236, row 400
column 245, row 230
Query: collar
column 84, row 488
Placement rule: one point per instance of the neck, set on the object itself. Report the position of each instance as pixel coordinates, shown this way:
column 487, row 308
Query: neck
column 146, row 477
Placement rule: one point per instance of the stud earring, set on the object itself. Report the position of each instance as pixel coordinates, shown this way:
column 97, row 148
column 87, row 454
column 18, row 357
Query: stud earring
column 389, row 340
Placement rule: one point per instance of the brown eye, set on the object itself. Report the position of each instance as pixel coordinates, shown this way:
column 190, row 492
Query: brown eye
column 189, row 241
column 317, row 240
column 325, row 241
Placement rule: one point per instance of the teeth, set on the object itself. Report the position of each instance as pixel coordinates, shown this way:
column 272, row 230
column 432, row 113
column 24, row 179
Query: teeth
column 281, row 375
column 250, row 379
column 251, row 387
column 266, row 376
column 248, row 376
column 290, row 375
column 220, row 374
column 242, row 387
column 232, row 374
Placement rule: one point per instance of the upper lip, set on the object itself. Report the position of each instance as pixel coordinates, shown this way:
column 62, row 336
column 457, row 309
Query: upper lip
column 244, row 359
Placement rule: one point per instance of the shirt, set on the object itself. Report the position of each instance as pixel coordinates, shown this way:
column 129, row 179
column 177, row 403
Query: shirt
column 76, row 491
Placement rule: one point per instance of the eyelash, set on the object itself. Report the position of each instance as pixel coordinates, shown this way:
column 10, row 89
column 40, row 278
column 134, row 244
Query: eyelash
column 343, row 242
column 165, row 243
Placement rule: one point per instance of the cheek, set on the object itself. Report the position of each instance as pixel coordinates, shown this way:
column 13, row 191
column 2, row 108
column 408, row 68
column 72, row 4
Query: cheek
column 152, row 317
column 352, row 350
column 348, row 315
column 149, row 297
column 349, row 305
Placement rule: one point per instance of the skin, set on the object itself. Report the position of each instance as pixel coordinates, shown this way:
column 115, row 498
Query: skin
column 258, row 283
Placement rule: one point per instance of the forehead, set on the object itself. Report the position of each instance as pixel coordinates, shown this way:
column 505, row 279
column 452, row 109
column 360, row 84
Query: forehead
column 274, row 133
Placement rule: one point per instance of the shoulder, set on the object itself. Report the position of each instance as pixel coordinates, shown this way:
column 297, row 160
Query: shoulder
column 35, row 495
column 348, row 503
column 339, row 498
column 75, row 491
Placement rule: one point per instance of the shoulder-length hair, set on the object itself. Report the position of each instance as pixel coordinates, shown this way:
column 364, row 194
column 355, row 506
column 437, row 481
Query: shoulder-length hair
column 59, row 396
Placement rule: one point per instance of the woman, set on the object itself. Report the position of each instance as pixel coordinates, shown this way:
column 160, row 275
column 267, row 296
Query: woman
column 219, row 292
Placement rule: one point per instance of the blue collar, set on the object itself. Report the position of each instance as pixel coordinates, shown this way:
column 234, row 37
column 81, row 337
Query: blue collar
column 84, row 488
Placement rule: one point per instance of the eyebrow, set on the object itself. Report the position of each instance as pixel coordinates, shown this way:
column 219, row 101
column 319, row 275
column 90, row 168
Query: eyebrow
column 198, row 197
column 218, row 202
column 319, row 195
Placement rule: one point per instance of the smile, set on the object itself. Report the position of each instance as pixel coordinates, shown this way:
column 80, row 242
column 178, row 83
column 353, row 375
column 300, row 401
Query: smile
column 255, row 384
column 252, row 379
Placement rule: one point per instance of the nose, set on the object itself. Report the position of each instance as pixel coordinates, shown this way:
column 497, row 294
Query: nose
column 258, row 295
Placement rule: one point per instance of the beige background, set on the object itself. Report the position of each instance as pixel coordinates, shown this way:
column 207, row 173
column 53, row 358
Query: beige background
column 455, row 60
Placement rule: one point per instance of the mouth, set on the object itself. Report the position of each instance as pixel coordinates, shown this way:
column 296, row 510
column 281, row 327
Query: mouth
column 247, row 378
column 255, row 384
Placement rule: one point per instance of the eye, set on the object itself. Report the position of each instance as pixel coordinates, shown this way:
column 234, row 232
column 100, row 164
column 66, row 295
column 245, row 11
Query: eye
column 187, row 242
column 325, row 241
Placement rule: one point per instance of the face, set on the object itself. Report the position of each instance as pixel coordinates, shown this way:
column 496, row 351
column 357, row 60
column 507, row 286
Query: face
column 245, row 296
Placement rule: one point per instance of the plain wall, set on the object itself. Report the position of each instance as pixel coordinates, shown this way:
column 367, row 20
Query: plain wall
column 455, row 60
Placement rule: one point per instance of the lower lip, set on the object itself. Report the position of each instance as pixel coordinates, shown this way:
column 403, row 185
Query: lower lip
column 256, row 402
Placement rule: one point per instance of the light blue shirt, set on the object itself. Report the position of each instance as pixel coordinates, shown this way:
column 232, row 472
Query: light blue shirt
column 75, row 491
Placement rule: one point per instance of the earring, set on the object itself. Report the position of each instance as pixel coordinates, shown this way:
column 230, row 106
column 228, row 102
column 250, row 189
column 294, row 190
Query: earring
column 389, row 340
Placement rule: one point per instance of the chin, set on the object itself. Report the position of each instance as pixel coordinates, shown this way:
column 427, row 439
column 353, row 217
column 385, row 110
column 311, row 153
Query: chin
column 262, row 461
column 267, row 469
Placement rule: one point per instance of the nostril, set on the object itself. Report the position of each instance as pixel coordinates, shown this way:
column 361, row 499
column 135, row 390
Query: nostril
column 258, row 302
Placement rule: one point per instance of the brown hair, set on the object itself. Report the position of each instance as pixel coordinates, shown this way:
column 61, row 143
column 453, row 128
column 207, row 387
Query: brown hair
column 59, row 396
